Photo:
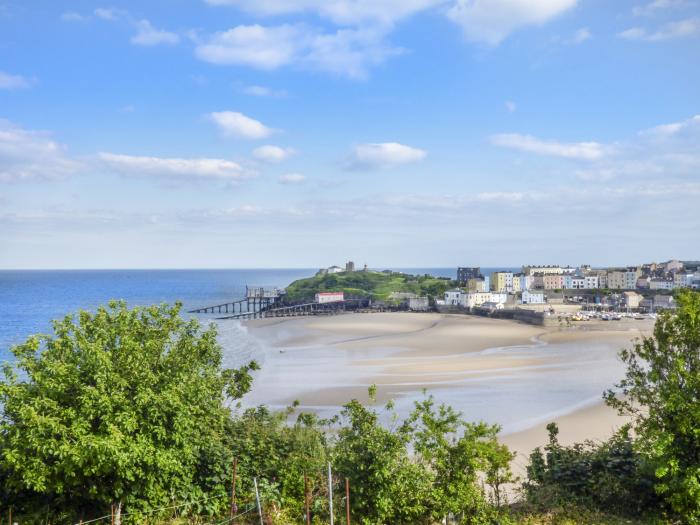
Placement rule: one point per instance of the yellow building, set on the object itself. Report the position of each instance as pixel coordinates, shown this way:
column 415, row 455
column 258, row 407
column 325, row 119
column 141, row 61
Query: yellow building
column 502, row 281
column 517, row 285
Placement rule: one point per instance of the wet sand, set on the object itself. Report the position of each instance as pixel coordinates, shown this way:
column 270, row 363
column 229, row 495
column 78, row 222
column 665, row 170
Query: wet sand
column 517, row 375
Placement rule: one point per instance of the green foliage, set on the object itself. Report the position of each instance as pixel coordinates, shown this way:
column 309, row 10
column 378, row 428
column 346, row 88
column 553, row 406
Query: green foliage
column 610, row 476
column 525, row 514
column 279, row 455
column 123, row 406
column 377, row 285
column 661, row 391
column 440, row 477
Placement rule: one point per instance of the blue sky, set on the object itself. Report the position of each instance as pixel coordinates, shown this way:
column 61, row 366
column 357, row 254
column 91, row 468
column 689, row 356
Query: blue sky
column 278, row 133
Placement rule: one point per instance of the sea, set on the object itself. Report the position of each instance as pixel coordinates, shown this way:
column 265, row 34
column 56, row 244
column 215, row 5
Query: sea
column 31, row 299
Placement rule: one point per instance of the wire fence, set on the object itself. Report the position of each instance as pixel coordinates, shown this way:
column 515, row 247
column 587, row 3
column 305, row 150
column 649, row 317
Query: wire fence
column 235, row 516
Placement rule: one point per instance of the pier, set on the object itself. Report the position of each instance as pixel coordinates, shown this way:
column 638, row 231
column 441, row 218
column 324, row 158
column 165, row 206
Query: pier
column 256, row 300
column 263, row 303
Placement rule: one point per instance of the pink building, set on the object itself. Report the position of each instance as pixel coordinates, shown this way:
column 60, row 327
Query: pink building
column 330, row 297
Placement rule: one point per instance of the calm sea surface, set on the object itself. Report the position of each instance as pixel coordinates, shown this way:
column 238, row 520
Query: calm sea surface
column 29, row 300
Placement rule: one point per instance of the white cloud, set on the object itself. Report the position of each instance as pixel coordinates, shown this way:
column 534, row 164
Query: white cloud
column 147, row 35
column 197, row 168
column 384, row 155
column 341, row 12
column 292, row 178
column 528, row 143
column 109, row 13
column 348, row 52
column 633, row 33
column 659, row 155
column 580, row 36
column 28, row 155
column 658, row 5
column 271, row 153
column 235, row 124
column 72, row 16
column 673, row 128
column 262, row 91
column 491, row 21
column 687, row 28
column 8, row 81
column 254, row 45
column 511, row 106
column 680, row 29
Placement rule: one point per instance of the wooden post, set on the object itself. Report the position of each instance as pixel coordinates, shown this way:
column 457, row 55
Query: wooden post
column 330, row 492
column 234, row 509
column 257, row 498
column 307, row 504
column 112, row 513
column 347, row 501
column 10, row 511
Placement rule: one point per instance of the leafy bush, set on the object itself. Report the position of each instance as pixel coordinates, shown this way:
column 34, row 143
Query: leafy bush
column 610, row 476
column 426, row 469
column 661, row 391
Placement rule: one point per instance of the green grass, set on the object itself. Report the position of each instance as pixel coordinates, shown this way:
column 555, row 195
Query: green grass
column 375, row 285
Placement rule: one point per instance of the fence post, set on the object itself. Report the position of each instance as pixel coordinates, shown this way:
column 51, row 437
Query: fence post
column 330, row 492
column 234, row 508
column 347, row 501
column 257, row 498
column 306, row 499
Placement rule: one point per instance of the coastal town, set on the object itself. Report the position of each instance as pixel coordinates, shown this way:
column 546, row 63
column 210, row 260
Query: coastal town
column 645, row 288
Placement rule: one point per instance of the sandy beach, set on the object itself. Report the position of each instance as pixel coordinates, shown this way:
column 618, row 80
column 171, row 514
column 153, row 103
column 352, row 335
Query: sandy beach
column 516, row 375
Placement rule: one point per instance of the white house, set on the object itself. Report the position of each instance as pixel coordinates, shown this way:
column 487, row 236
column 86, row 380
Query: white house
column 335, row 269
column 532, row 297
column 330, row 297
column 591, row 282
column 474, row 299
column 661, row 284
column 454, row 297
column 578, row 283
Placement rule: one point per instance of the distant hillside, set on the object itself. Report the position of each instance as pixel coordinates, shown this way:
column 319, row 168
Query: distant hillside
column 377, row 285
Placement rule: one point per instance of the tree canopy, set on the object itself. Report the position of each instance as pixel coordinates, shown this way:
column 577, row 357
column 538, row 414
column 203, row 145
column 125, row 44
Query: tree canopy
column 121, row 406
column 661, row 390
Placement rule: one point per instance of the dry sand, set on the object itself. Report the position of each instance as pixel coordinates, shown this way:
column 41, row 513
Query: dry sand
column 514, row 374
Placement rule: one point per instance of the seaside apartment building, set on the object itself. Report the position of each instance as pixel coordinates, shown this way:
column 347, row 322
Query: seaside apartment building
column 553, row 281
column 661, row 284
column 465, row 273
column 617, row 279
column 502, row 281
column 478, row 285
column 631, row 276
column 471, row 300
column 543, row 270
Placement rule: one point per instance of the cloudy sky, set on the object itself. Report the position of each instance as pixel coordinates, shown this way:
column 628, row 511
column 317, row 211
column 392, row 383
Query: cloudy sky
column 278, row 133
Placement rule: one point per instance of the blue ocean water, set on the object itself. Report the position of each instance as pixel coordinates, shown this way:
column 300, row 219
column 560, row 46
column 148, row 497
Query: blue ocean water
column 30, row 300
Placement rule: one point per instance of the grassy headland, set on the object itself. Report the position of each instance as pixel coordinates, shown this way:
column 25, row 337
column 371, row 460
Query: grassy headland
column 368, row 284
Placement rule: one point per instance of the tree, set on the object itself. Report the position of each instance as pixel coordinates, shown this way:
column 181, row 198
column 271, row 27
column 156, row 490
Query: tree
column 387, row 486
column 661, row 391
column 122, row 407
